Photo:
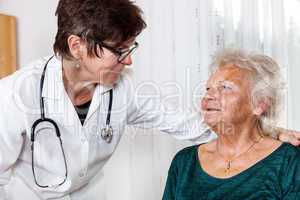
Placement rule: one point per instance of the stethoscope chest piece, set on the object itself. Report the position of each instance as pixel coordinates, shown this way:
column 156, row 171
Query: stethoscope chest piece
column 107, row 133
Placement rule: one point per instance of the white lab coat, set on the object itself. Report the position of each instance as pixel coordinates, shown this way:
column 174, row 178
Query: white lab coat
column 86, row 153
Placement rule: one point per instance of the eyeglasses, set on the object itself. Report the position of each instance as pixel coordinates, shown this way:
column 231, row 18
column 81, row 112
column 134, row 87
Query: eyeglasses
column 121, row 53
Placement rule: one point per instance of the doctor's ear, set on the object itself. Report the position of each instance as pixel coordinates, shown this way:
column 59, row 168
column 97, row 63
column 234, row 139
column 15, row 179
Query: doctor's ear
column 76, row 46
column 262, row 106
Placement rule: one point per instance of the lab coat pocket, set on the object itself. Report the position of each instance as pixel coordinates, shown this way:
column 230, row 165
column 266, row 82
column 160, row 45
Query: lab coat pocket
column 16, row 189
column 100, row 140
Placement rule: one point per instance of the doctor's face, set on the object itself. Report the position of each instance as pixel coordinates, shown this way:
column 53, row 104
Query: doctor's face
column 227, row 100
column 107, row 68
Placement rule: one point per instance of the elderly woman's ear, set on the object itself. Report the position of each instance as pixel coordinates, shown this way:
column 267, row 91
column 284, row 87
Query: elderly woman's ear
column 262, row 106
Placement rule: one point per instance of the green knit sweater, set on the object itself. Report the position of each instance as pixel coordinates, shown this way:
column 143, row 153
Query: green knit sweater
column 275, row 177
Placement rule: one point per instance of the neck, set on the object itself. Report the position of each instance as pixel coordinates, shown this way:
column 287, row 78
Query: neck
column 76, row 83
column 234, row 139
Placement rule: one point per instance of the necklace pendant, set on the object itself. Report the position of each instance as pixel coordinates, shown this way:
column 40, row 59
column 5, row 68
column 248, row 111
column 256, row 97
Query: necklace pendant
column 228, row 165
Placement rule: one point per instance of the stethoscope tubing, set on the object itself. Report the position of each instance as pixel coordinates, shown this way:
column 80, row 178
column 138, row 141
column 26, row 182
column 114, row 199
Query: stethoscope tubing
column 106, row 132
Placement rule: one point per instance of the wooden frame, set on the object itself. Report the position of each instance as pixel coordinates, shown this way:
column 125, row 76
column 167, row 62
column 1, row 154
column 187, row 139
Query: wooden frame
column 8, row 57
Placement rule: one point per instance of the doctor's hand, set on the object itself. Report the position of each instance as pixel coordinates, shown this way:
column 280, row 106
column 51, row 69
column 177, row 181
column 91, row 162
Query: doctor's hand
column 289, row 136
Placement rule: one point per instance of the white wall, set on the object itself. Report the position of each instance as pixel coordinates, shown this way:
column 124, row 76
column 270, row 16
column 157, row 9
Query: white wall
column 294, row 83
column 36, row 27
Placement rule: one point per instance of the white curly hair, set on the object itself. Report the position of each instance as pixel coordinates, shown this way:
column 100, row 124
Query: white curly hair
column 266, row 80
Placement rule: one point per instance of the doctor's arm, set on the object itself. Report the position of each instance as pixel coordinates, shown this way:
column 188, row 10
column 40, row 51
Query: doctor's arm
column 150, row 113
column 11, row 139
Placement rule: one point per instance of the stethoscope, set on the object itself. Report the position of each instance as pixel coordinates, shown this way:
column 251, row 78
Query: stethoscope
column 106, row 132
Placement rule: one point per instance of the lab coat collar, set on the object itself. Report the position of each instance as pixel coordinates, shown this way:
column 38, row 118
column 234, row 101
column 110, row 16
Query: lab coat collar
column 53, row 82
column 97, row 98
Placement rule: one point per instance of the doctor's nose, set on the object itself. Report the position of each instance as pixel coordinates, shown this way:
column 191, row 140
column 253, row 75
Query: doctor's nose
column 127, row 60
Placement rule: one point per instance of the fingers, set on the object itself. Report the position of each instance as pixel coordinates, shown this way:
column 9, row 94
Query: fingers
column 295, row 140
column 291, row 138
column 295, row 133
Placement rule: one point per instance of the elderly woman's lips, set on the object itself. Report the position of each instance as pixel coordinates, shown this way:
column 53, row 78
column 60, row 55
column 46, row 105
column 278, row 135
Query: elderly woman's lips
column 213, row 109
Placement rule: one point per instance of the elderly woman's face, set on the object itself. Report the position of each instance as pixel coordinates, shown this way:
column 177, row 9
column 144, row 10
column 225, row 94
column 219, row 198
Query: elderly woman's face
column 227, row 99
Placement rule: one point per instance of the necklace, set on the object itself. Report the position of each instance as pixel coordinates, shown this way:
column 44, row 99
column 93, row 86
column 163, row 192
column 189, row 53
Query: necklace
column 229, row 161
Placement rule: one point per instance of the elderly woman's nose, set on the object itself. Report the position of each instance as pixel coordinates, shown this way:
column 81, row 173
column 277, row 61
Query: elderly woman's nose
column 207, row 98
column 211, row 94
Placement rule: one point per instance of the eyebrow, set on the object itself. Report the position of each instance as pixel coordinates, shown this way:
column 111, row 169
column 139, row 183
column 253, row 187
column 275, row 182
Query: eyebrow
column 128, row 45
column 123, row 48
column 226, row 81
column 220, row 82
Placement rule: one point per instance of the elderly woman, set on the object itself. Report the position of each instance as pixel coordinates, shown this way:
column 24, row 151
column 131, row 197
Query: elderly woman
column 245, row 162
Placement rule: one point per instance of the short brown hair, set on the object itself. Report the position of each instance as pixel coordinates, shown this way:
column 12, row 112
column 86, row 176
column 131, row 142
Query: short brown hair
column 114, row 21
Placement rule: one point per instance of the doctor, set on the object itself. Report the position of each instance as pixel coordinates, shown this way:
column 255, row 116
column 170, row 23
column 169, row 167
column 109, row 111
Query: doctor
column 63, row 116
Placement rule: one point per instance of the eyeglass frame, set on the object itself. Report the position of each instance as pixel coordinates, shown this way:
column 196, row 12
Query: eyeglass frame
column 122, row 55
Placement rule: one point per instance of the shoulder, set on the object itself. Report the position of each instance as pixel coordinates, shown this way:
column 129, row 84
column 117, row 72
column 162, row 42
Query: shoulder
column 282, row 152
column 183, row 160
column 23, row 82
column 288, row 156
column 290, row 170
column 185, row 155
column 291, row 151
column 23, row 74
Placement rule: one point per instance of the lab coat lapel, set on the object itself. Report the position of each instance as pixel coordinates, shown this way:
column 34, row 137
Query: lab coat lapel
column 101, row 94
column 57, row 103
